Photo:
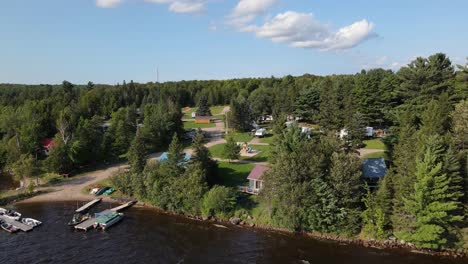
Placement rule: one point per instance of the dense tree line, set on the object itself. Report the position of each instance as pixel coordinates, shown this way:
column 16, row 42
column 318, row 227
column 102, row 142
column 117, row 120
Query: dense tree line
column 315, row 182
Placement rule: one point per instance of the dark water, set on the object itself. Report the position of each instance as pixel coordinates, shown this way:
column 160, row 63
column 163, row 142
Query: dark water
column 145, row 236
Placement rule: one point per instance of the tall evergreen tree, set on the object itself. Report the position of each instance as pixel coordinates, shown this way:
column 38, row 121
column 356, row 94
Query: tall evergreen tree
column 231, row 150
column 137, row 154
column 175, row 154
column 203, row 107
column 433, row 205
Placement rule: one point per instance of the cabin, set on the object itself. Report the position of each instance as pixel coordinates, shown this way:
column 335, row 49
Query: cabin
column 47, row 144
column 164, row 157
column 373, row 170
column 203, row 119
column 255, row 180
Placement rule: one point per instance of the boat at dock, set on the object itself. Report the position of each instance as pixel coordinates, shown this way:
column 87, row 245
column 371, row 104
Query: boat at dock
column 8, row 227
column 31, row 222
column 78, row 219
column 11, row 214
column 107, row 220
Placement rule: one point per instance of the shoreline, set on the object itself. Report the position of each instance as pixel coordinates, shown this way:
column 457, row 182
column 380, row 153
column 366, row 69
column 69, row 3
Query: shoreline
column 366, row 243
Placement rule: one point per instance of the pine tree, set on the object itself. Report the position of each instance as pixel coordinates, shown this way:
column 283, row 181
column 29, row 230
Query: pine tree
column 231, row 150
column 202, row 156
column 175, row 154
column 137, row 154
column 432, row 204
column 240, row 116
column 345, row 181
column 203, row 107
column 307, row 104
column 329, row 108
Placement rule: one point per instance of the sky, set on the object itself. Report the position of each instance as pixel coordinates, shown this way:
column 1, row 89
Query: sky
column 108, row 41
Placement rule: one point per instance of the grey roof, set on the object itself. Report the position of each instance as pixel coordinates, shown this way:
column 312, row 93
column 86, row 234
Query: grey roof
column 374, row 168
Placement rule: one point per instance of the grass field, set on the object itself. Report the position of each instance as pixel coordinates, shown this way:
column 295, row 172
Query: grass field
column 215, row 111
column 217, row 152
column 374, row 144
column 374, row 155
column 189, row 125
column 268, row 139
column 233, row 174
column 241, row 137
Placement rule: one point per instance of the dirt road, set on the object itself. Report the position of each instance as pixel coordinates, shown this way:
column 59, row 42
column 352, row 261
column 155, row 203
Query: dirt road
column 72, row 190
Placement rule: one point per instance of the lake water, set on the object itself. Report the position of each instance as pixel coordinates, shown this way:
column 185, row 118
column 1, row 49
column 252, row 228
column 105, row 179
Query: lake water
column 146, row 236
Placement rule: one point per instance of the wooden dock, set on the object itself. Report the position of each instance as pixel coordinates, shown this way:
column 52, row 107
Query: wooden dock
column 123, row 206
column 17, row 224
column 88, row 224
column 88, row 205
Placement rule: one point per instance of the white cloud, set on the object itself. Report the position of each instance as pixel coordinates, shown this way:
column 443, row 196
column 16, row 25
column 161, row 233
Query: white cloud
column 246, row 10
column 302, row 30
column 182, row 6
column 108, row 3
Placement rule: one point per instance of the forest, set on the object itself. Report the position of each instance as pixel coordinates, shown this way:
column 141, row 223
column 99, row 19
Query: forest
column 314, row 183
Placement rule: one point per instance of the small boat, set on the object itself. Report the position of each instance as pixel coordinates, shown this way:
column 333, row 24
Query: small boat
column 101, row 191
column 8, row 227
column 10, row 214
column 109, row 191
column 94, row 191
column 78, row 219
column 31, row 222
column 107, row 220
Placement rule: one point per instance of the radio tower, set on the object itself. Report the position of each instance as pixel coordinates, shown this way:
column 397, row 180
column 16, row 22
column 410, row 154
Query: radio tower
column 157, row 74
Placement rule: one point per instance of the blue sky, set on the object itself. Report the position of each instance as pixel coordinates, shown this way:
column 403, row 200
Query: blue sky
column 107, row 41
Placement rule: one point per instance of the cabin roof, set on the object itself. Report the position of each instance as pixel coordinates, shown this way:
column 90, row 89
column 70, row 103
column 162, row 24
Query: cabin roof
column 374, row 168
column 48, row 143
column 257, row 172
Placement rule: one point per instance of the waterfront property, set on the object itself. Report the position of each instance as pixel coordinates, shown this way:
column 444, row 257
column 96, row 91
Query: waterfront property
column 255, row 180
column 373, row 169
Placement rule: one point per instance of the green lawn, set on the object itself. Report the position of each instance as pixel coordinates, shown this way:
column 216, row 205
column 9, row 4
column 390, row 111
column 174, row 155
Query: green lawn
column 217, row 152
column 233, row 174
column 215, row 111
column 374, row 155
column 190, row 124
column 268, row 139
column 374, row 144
column 241, row 136
column 262, row 156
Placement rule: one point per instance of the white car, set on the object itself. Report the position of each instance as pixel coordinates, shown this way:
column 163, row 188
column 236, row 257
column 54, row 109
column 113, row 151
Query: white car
column 260, row 132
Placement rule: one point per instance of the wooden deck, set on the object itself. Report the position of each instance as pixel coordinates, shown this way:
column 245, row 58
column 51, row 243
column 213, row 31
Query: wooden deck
column 88, row 205
column 247, row 189
column 88, row 224
column 17, row 224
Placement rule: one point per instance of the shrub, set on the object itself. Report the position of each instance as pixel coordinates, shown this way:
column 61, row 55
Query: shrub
column 218, row 201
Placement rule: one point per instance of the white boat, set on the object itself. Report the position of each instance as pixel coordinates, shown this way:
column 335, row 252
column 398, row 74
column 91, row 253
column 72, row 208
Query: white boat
column 8, row 227
column 10, row 214
column 31, row 222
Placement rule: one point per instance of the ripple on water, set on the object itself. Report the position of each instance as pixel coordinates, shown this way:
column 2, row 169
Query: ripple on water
column 145, row 236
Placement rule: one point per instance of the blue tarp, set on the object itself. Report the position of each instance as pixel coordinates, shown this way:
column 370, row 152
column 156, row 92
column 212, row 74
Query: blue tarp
column 374, row 168
column 165, row 158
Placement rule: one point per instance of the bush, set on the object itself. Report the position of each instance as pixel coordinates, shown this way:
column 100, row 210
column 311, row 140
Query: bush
column 219, row 200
